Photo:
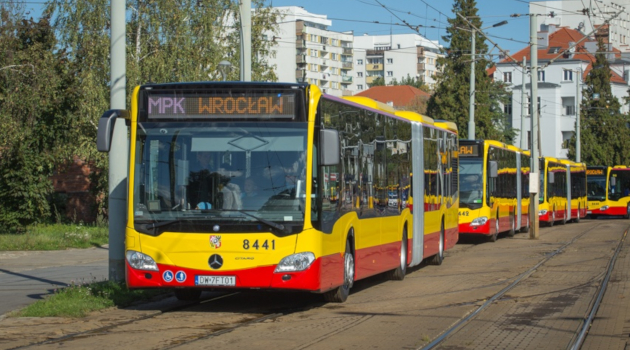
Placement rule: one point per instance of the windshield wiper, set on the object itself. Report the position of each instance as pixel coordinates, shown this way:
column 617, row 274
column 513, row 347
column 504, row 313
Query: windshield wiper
column 152, row 226
column 277, row 226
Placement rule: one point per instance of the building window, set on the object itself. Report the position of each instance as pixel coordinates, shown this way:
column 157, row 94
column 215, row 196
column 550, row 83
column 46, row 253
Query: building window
column 507, row 109
column 507, row 77
column 568, row 104
column 314, row 53
column 390, row 60
column 359, row 87
column 359, row 62
column 541, row 76
column 566, row 138
column 390, row 73
column 567, row 75
column 529, row 105
column 360, row 74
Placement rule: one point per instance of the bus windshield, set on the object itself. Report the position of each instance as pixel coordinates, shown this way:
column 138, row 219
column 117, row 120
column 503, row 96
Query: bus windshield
column 471, row 182
column 232, row 176
column 596, row 186
column 620, row 186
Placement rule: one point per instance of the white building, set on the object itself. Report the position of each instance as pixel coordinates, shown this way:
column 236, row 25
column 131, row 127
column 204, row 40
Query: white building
column 394, row 57
column 307, row 51
column 586, row 16
column 557, row 87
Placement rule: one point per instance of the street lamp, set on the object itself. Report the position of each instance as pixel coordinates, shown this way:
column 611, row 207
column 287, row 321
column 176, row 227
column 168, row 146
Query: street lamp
column 471, row 107
column 224, row 68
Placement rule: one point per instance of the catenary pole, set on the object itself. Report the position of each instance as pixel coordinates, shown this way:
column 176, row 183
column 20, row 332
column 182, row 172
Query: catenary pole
column 471, row 107
column 246, row 40
column 535, row 172
column 523, row 102
column 120, row 145
column 578, row 144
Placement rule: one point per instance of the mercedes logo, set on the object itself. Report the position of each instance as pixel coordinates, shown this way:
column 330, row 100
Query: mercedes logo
column 215, row 261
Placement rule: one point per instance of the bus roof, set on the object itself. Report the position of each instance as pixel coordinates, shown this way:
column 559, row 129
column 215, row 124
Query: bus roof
column 368, row 102
column 413, row 116
column 445, row 124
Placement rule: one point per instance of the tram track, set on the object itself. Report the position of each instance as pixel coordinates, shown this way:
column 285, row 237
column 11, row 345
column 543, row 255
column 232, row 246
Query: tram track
column 580, row 334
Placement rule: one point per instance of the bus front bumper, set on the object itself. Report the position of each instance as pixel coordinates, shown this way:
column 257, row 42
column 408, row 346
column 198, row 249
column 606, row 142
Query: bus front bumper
column 467, row 228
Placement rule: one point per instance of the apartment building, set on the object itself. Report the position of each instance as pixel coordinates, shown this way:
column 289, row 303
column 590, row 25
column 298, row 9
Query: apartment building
column 560, row 84
column 307, row 51
column 394, row 57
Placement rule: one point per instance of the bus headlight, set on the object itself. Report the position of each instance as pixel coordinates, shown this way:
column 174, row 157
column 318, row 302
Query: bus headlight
column 542, row 212
column 295, row 262
column 604, row 208
column 479, row 221
column 141, row 261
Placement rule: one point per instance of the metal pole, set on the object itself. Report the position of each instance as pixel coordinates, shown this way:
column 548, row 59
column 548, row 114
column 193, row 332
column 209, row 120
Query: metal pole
column 523, row 102
column 535, row 173
column 578, row 145
column 118, row 155
column 246, row 40
column 471, row 107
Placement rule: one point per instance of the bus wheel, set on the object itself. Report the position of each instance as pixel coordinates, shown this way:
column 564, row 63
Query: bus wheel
column 438, row 258
column 340, row 294
column 552, row 217
column 627, row 216
column 493, row 237
column 577, row 218
column 398, row 274
column 187, row 294
column 512, row 230
column 526, row 228
column 564, row 221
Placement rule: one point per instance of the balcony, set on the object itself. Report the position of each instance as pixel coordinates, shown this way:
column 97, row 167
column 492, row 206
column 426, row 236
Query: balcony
column 325, row 77
column 420, row 51
column 346, row 79
column 300, row 44
column 369, row 80
column 300, row 59
column 347, row 92
column 347, row 51
column 421, row 67
column 300, row 73
column 324, row 48
column 299, row 27
column 325, row 62
column 378, row 66
column 346, row 65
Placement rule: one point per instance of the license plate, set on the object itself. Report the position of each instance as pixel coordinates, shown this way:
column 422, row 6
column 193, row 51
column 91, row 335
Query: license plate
column 229, row 281
column 588, row 212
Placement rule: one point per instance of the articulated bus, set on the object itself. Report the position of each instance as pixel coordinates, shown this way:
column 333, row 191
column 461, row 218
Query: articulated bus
column 608, row 191
column 492, row 196
column 576, row 190
column 553, row 204
column 279, row 186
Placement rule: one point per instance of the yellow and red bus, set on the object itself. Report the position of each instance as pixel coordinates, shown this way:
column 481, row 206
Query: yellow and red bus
column 553, row 205
column 608, row 191
column 492, row 195
column 576, row 190
column 314, row 162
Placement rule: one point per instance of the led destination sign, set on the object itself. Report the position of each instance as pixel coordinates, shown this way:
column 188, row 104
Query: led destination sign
column 469, row 151
column 595, row 172
column 209, row 107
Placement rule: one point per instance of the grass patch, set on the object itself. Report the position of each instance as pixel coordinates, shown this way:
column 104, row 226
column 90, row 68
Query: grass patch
column 80, row 300
column 55, row 237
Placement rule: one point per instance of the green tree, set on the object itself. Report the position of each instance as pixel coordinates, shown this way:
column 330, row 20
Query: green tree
column 605, row 138
column 378, row 81
column 451, row 97
column 167, row 41
column 35, row 99
column 416, row 82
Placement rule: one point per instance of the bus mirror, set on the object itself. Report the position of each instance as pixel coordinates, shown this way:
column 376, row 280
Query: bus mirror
column 494, row 169
column 329, row 147
column 106, row 128
column 613, row 181
column 551, row 177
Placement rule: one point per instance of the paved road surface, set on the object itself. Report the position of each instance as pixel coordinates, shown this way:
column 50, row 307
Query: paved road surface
column 28, row 276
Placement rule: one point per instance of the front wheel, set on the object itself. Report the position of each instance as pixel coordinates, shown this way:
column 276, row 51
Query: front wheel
column 340, row 294
column 627, row 216
column 577, row 217
column 438, row 258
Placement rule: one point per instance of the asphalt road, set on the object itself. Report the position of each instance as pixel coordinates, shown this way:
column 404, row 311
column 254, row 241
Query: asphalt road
column 26, row 277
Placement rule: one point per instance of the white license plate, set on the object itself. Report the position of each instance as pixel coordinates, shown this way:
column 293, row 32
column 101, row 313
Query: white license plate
column 588, row 212
column 229, row 281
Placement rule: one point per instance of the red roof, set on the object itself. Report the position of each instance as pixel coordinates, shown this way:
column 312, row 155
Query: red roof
column 398, row 95
column 561, row 40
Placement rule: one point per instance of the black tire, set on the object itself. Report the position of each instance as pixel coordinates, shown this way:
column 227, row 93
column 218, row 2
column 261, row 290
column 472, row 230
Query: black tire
column 552, row 218
column 398, row 274
column 627, row 216
column 577, row 218
column 526, row 228
column 564, row 221
column 495, row 236
column 188, row 294
column 438, row 258
column 512, row 230
column 340, row 294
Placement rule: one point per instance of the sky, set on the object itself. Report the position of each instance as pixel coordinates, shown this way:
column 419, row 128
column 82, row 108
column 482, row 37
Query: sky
column 430, row 16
